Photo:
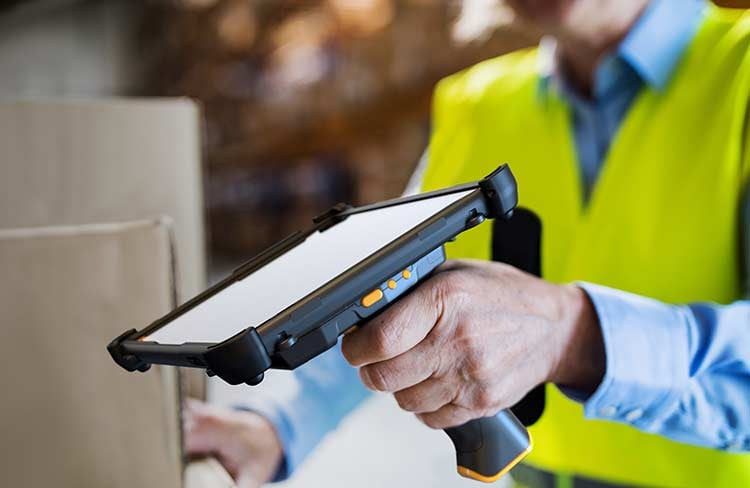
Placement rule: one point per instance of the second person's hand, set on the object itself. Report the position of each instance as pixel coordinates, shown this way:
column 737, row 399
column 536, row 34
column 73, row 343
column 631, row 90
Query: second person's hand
column 245, row 443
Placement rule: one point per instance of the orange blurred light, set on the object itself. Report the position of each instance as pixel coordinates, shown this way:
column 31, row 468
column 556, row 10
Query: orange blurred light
column 362, row 17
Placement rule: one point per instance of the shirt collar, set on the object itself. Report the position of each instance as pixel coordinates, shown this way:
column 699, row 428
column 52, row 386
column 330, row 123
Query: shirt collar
column 652, row 48
column 659, row 38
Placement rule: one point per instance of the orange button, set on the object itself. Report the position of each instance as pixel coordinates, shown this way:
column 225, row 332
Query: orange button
column 372, row 298
column 406, row 274
column 391, row 284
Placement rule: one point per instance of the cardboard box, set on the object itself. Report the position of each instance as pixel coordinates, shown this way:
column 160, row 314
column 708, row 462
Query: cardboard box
column 70, row 417
column 72, row 162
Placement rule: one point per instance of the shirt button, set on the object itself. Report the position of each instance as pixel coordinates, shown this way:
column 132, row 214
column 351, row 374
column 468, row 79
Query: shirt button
column 634, row 415
column 608, row 411
column 736, row 445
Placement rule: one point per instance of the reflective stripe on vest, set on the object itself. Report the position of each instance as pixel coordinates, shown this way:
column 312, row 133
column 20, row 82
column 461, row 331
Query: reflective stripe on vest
column 661, row 221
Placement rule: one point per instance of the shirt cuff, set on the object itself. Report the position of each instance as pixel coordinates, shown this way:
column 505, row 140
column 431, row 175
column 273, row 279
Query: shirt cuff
column 647, row 351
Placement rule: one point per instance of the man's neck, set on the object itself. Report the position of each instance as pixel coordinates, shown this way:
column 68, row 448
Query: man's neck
column 587, row 38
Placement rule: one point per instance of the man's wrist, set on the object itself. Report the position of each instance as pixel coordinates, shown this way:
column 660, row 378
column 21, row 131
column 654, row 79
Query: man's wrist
column 272, row 456
column 580, row 362
column 269, row 426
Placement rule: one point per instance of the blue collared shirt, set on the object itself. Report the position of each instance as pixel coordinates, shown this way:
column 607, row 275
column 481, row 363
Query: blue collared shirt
column 679, row 371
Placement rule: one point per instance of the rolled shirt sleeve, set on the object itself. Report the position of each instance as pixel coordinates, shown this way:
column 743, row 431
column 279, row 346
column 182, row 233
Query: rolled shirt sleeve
column 678, row 371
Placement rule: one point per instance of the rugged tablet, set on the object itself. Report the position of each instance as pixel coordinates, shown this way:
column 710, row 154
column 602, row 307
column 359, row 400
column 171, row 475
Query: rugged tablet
column 292, row 302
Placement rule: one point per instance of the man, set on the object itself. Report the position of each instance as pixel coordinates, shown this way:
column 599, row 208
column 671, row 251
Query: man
column 629, row 137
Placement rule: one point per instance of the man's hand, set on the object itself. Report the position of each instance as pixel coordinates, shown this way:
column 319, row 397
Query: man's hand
column 474, row 339
column 244, row 442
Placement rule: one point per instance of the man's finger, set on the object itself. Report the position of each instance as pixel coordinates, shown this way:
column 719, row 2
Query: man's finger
column 447, row 416
column 453, row 265
column 427, row 396
column 403, row 371
column 395, row 331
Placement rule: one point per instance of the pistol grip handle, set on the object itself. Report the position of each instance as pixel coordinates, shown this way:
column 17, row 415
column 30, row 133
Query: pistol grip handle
column 489, row 447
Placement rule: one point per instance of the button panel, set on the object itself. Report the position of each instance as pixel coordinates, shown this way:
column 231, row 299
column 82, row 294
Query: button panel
column 372, row 298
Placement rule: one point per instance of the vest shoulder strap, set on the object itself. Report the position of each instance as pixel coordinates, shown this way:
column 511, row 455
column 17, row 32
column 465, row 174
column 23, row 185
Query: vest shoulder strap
column 499, row 76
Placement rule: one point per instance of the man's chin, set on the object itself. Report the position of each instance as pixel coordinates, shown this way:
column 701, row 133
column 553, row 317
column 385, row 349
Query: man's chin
column 549, row 15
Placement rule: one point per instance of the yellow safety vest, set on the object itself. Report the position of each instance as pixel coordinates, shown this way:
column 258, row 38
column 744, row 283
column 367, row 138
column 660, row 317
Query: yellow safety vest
column 662, row 220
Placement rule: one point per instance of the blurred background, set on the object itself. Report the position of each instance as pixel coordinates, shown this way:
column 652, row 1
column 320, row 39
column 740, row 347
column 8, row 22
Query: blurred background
column 305, row 103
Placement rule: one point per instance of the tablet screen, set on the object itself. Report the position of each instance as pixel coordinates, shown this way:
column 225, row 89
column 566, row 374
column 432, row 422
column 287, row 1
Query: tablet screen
column 292, row 276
